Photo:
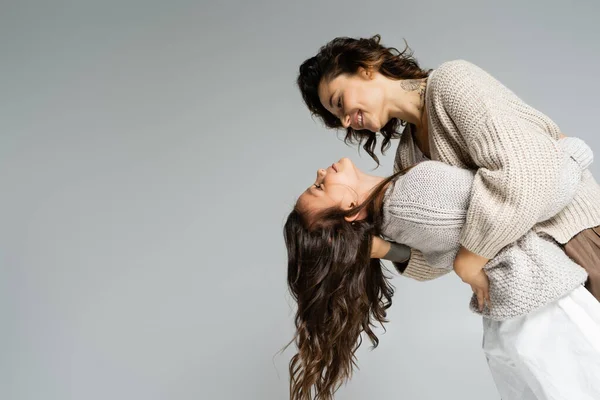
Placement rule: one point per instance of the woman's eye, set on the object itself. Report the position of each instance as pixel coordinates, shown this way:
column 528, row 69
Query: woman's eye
column 318, row 186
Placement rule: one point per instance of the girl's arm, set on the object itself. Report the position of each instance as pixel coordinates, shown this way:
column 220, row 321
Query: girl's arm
column 414, row 267
column 390, row 251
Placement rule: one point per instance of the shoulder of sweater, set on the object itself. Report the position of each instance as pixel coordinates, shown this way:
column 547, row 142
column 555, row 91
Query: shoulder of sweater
column 466, row 92
column 455, row 68
column 455, row 64
column 451, row 75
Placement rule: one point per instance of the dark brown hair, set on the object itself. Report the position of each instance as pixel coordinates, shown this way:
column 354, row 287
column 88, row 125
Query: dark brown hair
column 340, row 291
column 345, row 55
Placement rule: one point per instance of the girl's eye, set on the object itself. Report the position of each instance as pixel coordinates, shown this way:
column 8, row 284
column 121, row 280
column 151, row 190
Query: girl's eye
column 318, row 186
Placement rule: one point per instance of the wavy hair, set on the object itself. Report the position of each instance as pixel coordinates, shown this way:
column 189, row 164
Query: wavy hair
column 340, row 292
column 344, row 55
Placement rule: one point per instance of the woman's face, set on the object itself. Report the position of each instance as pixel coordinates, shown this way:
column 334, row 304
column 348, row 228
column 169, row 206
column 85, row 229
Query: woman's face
column 337, row 185
column 357, row 100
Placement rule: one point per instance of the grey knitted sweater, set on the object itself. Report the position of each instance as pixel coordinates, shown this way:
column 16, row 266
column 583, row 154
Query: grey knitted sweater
column 477, row 123
column 427, row 208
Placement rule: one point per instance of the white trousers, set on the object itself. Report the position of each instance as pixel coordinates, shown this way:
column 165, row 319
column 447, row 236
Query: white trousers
column 550, row 354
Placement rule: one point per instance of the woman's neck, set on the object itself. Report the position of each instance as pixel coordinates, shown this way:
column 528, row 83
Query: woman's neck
column 407, row 99
column 421, row 136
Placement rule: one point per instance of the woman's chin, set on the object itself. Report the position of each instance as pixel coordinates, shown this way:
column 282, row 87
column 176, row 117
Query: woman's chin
column 370, row 128
column 374, row 127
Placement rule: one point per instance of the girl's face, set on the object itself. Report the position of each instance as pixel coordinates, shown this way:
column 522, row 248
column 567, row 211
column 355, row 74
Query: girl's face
column 357, row 100
column 337, row 185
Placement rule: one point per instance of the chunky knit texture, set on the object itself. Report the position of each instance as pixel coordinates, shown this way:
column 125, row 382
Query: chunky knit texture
column 427, row 209
column 477, row 123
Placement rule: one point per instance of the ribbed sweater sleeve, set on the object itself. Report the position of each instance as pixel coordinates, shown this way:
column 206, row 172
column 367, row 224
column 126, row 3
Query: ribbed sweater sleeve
column 518, row 166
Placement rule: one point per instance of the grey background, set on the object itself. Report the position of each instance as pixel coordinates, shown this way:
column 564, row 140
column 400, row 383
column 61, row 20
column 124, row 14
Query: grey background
column 150, row 152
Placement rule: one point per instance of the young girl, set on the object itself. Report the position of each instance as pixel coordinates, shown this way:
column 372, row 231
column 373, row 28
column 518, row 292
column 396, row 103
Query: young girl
column 541, row 327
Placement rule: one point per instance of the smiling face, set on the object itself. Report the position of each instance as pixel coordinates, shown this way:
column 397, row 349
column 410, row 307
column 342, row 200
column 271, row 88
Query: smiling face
column 356, row 100
column 335, row 186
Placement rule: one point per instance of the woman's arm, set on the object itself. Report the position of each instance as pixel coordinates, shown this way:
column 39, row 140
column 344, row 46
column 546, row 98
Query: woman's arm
column 576, row 157
column 469, row 268
column 518, row 165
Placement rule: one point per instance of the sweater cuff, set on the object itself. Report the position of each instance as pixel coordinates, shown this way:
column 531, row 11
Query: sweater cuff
column 480, row 244
column 578, row 150
column 419, row 270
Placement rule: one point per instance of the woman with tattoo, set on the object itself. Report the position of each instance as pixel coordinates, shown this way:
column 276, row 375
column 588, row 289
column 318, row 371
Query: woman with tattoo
column 460, row 115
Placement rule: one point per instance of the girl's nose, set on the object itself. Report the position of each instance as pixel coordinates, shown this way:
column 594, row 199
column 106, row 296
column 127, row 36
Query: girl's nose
column 320, row 174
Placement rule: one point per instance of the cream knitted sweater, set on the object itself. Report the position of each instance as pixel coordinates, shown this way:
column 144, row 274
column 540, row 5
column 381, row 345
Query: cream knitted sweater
column 427, row 209
column 477, row 123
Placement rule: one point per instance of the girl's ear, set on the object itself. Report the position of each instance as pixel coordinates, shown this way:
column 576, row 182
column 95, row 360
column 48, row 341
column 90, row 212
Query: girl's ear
column 362, row 214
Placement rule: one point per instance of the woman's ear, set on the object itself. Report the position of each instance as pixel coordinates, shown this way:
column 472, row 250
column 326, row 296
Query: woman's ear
column 366, row 73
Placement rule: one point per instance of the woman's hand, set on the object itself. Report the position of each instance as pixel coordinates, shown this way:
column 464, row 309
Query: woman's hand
column 379, row 247
column 469, row 267
column 480, row 285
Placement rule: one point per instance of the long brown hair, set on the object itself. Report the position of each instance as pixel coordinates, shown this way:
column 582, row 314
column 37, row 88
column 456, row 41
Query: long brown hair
column 345, row 55
column 340, row 291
